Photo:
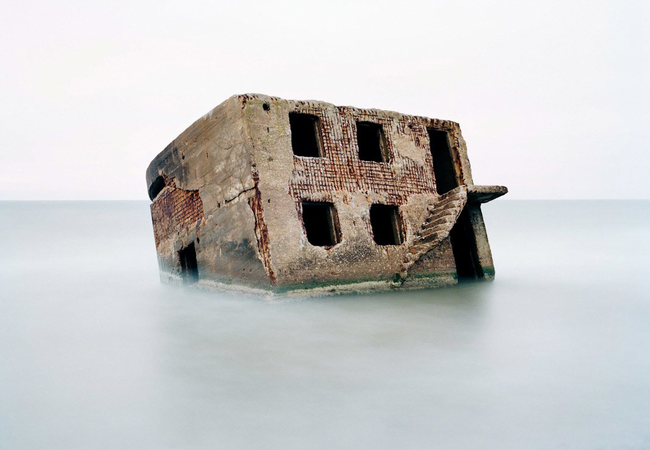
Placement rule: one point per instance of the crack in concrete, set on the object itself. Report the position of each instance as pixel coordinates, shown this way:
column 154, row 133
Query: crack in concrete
column 239, row 195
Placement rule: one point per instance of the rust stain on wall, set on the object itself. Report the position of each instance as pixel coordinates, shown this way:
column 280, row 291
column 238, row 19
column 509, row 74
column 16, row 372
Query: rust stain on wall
column 261, row 232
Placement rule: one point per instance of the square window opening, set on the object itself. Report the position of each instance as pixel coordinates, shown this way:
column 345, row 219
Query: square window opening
column 305, row 139
column 321, row 224
column 386, row 225
column 371, row 142
column 189, row 265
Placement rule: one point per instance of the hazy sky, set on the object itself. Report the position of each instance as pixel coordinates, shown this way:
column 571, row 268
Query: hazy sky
column 552, row 96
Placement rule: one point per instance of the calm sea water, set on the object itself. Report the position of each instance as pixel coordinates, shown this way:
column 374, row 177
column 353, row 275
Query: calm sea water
column 555, row 354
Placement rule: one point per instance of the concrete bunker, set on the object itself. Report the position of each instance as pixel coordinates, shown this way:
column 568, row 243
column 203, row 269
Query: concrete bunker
column 284, row 197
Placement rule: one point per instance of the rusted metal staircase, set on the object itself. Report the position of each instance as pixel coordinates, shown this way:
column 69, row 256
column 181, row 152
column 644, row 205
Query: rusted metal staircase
column 442, row 216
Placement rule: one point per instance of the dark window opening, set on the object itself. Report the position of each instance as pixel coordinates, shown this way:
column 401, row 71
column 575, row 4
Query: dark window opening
column 443, row 164
column 157, row 186
column 304, row 135
column 386, row 225
column 266, row 107
column 371, row 141
column 189, row 265
column 321, row 224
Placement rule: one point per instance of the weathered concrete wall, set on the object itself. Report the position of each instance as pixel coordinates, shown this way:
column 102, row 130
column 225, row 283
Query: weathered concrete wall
column 352, row 185
column 209, row 163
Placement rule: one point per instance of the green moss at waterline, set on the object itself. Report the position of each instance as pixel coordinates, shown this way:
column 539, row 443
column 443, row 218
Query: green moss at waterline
column 488, row 272
column 382, row 283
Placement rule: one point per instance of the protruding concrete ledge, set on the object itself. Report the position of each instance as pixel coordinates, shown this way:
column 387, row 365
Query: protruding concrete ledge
column 484, row 194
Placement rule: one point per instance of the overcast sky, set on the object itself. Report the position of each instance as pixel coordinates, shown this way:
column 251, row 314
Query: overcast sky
column 552, row 96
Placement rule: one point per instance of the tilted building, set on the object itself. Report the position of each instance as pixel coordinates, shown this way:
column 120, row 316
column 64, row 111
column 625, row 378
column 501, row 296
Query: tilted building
column 281, row 196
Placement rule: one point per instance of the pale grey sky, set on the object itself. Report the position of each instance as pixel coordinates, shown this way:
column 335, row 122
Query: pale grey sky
column 552, row 96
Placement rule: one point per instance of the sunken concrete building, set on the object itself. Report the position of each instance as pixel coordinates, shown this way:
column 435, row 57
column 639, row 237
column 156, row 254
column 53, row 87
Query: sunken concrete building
column 304, row 197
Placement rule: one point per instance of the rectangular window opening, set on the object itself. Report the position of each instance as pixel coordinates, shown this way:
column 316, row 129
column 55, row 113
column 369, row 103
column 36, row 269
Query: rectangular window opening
column 189, row 265
column 371, row 141
column 321, row 224
column 386, row 225
column 304, row 135
column 443, row 163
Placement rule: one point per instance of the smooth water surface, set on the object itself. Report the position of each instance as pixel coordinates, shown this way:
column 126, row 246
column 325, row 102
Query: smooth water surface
column 555, row 354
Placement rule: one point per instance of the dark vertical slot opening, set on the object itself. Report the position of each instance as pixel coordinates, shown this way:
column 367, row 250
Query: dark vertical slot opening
column 386, row 225
column 463, row 243
column 443, row 164
column 189, row 265
column 371, row 141
column 321, row 224
column 304, row 135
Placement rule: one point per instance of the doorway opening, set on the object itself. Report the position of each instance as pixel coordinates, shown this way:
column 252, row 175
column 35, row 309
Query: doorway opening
column 189, row 265
column 463, row 239
column 443, row 164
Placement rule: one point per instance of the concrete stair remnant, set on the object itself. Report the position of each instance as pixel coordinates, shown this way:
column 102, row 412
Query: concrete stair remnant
column 441, row 218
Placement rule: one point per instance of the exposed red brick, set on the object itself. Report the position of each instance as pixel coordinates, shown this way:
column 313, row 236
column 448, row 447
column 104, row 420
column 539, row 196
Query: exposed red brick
column 341, row 169
column 174, row 210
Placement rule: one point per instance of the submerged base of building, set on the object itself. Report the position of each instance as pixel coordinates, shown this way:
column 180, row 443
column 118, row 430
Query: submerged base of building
column 315, row 289
column 301, row 198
